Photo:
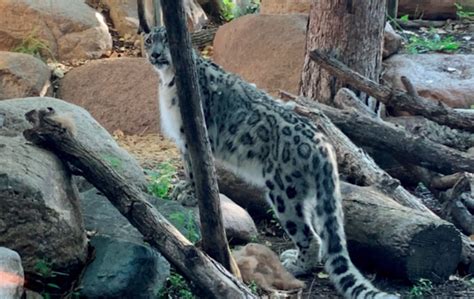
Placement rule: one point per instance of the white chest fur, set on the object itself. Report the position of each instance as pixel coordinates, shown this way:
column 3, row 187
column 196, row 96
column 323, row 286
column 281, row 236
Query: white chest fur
column 171, row 122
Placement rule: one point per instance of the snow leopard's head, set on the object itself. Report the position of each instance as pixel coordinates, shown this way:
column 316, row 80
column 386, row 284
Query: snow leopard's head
column 157, row 48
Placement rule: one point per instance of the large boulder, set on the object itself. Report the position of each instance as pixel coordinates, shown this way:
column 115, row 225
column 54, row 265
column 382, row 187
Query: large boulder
column 267, row 50
column 121, row 93
column 39, row 206
column 69, row 28
column 285, row 6
column 124, row 15
column 441, row 77
column 88, row 131
column 22, row 75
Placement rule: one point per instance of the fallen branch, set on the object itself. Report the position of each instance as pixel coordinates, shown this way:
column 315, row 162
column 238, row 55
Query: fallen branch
column 209, row 277
column 396, row 99
column 402, row 144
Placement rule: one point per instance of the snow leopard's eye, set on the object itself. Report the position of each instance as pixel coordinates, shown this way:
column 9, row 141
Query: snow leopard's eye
column 148, row 41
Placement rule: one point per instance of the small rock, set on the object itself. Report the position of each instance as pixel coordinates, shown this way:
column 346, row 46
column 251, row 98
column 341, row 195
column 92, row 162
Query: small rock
column 123, row 269
column 392, row 41
column 22, row 75
column 239, row 226
column 11, row 274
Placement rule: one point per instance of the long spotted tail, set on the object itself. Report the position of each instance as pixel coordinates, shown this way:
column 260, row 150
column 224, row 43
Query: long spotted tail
column 345, row 276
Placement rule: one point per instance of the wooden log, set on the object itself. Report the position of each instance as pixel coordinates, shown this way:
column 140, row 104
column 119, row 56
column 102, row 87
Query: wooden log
column 214, row 240
column 402, row 242
column 396, row 99
column 208, row 277
column 384, row 136
column 421, row 126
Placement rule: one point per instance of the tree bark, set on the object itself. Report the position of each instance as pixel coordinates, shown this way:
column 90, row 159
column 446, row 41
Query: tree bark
column 213, row 10
column 353, row 31
column 396, row 99
column 421, row 126
column 402, row 242
column 384, row 136
column 214, row 240
column 209, row 277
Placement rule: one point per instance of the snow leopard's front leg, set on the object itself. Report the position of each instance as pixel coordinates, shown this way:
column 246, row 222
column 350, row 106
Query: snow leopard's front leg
column 184, row 191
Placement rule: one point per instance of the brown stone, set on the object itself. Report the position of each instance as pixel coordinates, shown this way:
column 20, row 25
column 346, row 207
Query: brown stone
column 125, row 17
column 267, row 50
column 22, row 75
column 392, row 41
column 120, row 93
column 69, row 28
column 443, row 77
column 285, row 6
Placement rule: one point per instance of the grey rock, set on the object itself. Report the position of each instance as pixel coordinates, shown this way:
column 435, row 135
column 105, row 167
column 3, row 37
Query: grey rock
column 22, row 75
column 123, row 269
column 88, row 132
column 239, row 226
column 70, row 29
column 11, row 269
column 39, row 213
column 440, row 77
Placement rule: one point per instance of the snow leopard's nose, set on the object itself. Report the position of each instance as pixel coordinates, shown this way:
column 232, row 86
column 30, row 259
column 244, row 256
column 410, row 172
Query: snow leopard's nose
column 155, row 55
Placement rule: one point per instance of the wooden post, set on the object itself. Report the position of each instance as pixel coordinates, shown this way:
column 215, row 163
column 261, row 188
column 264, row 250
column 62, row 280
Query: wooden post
column 157, row 16
column 214, row 241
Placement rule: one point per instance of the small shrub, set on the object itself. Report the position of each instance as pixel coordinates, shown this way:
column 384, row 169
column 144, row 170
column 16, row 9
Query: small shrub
column 421, row 289
column 435, row 43
column 186, row 222
column 463, row 13
column 176, row 287
column 35, row 46
column 161, row 179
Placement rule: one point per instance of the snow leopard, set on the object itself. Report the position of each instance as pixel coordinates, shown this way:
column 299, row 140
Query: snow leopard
column 267, row 144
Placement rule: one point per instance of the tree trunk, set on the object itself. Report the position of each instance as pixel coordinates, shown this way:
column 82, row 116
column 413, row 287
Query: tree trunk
column 353, row 31
column 214, row 240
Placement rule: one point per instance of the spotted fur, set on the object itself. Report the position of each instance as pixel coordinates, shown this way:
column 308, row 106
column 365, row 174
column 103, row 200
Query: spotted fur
column 269, row 145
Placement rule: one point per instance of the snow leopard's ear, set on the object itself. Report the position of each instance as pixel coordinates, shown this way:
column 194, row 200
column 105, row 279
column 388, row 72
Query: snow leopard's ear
column 143, row 24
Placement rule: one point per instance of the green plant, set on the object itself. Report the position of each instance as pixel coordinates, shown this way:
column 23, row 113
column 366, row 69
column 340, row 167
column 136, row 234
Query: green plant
column 161, row 179
column 176, row 287
column 185, row 221
column 417, row 44
column 35, row 46
column 462, row 13
column 254, row 288
column 404, row 18
column 228, row 10
column 421, row 288
column 46, row 273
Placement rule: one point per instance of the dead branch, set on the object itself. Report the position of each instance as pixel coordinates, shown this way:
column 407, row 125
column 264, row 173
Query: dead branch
column 214, row 240
column 396, row 99
column 209, row 277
